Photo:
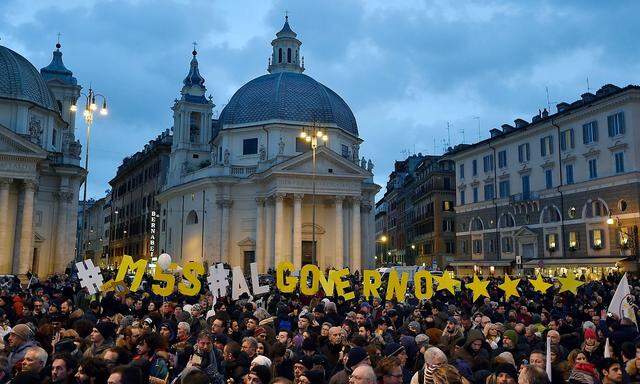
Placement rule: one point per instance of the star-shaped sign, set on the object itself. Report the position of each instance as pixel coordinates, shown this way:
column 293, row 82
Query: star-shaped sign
column 510, row 287
column 539, row 284
column 446, row 282
column 570, row 284
column 478, row 287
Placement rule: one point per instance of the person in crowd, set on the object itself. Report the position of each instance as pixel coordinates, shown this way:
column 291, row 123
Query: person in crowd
column 62, row 369
column 101, row 339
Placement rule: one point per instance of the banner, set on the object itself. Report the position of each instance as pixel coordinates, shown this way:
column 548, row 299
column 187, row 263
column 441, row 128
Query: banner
column 309, row 280
column 621, row 303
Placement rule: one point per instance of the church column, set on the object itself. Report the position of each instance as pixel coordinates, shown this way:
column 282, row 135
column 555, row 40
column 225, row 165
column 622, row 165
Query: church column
column 279, row 232
column 25, row 260
column 261, row 251
column 356, row 257
column 225, row 204
column 59, row 260
column 339, row 259
column 297, row 231
column 5, row 257
column 269, row 234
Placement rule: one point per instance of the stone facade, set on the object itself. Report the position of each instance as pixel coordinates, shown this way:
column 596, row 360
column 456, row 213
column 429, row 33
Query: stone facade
column 39, row 167
column 555, row 194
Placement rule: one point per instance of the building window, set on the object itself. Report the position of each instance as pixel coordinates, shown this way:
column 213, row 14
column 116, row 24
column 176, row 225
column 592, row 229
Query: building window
column 548, row 176
column 288, row 55
column 569, row 173
column 488, row 191
column 566, row 139
column 54, row 137
column 551, row 242
column 302, row 145
column 623, row 237
column 593, row 169
column 476, row 225
column 447, row 225
column 572, row 212
column 616, row 124
column 503, row 189
column 590, row 132
column 464, row 247
column 525, row 187
column 477, row 246
column 502, row 159
column 447, row 183
column 461, row 173
column 507, row 221
column 523, row 153
column 345, row 151
column 622, row 205
column 250, row 146
column 447, row 205
column 192, row 218
column 488, row 163
column 550, row 214
column 596, row 208
column 474, row 167
column 492, row 247
column 596, row 238
column 279, row 55
column 475, row 194
column 619, row 156
column 546, row 146
column 573, row 240
column 194, row 127
column 507, row 244
column 449, row 247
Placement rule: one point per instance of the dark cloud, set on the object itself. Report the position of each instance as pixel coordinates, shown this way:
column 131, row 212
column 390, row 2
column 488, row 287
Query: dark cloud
column 406, row 68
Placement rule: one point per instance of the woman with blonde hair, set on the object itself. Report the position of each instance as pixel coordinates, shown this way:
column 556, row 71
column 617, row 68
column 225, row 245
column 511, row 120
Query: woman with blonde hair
column 492, row 335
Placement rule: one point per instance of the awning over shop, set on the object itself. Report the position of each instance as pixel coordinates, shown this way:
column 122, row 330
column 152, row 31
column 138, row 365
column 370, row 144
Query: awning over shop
column 586, row 261
column 481, row 263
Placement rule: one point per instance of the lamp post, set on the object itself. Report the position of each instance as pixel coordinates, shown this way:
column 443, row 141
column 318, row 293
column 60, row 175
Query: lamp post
column 383, row 241
column 311, row 135
column 626, row 239
column 89, row 108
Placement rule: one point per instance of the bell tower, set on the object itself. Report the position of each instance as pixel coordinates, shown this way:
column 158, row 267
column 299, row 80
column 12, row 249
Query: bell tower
column 192, row 122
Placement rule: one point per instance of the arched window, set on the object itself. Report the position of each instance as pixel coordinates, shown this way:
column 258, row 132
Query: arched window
column 507, row 221
column 279, row 55
column 194, row 127
column 596, row 208
column 192, row 218
column 288, row 55
column 476, row 224
column 550, row 214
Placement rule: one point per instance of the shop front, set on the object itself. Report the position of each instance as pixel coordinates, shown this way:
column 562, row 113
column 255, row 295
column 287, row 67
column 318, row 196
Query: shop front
column 592, row 268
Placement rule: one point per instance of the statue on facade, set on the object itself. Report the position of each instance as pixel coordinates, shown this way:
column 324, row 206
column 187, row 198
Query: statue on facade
column 214, row 155
column 281, row 146
column 263, row 153
column 363, row 163
column 370, row 166
column 227, row 154
column 355, row 153
column 35, row 130
column 75, row 149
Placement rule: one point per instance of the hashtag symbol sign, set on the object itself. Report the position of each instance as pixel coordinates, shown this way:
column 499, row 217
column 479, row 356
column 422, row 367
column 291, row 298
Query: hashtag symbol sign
column 90, row 276
column 217, row 280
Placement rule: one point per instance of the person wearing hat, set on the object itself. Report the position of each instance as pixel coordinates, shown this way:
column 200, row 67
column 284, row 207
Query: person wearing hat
column 101, row 339
column 505, row 374
column 356, row 357
column 258, row 374
column 300, row 366
column 20, row 340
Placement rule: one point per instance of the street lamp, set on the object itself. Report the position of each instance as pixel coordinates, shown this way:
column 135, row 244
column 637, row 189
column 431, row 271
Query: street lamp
column 383, row 239
column 312, row 135
column 89, row 108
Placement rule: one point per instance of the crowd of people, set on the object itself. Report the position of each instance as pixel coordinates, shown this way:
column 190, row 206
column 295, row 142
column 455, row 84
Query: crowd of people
column 53, row 331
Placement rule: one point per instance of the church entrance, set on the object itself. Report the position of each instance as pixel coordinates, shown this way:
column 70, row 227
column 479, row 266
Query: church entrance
column 307, row 252
column 36, row 261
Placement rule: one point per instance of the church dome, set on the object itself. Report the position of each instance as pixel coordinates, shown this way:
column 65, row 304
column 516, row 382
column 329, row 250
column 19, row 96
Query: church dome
column 19, row 79
column 288, row 96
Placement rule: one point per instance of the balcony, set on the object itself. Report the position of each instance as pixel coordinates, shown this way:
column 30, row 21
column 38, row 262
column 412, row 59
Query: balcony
column 529, row 196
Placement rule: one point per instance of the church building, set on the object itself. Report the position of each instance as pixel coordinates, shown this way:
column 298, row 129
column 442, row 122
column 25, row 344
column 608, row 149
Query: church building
column 277, row 177
column 40, row 173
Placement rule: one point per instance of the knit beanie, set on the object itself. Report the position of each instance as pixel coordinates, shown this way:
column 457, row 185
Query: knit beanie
column 23, row 331
column 106, row 329
column 511, row 335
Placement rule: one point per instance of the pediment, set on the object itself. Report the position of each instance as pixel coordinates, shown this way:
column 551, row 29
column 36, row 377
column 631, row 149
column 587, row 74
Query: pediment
column 524, row 232
column 247, row 242
column 13, row 144
column 327, row 163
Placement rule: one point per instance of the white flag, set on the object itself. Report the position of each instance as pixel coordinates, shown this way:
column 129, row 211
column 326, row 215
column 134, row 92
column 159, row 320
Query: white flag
column 620, row 303
column 548, row 362
column 607, row 351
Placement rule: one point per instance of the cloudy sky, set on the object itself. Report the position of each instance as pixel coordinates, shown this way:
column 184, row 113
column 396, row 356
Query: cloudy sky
column 406, row 68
